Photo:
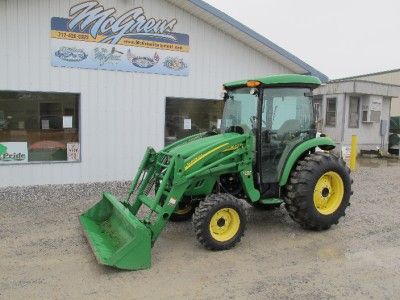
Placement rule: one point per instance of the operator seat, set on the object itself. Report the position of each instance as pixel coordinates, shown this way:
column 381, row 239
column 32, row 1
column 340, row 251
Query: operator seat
column 289, row 126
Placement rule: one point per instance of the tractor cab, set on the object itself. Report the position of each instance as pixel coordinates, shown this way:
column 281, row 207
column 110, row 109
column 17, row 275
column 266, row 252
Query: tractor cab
column 278, row 112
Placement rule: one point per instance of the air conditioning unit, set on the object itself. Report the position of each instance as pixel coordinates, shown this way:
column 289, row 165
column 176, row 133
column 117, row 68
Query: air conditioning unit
column 371, row 109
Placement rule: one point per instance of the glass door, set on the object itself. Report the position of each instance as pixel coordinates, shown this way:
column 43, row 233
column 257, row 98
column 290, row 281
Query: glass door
column 287, row 121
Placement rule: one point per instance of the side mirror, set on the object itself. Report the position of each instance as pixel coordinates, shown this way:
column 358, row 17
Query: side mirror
column 224, row 95
column 308, row 94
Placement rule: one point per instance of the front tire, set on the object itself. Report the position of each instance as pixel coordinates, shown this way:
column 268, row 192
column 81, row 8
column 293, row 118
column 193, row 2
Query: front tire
column 220, row 221
column 318, row 192
column 183, row 213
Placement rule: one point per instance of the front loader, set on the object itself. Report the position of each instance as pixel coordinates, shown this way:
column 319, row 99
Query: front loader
column 264, row 155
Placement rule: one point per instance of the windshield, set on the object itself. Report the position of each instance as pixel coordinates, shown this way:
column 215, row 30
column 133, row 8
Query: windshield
column 240, row 110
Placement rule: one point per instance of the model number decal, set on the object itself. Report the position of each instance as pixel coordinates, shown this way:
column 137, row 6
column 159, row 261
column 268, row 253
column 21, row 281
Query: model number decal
column 247, row 173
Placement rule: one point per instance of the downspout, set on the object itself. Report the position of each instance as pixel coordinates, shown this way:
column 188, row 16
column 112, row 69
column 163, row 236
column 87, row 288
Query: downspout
column 343, row 122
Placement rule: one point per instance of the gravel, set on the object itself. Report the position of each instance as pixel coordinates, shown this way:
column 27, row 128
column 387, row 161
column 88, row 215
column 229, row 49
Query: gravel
column 43, row 253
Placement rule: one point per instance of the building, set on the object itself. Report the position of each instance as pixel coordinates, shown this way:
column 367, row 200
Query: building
column 388, row 77
column 86, row 86
column 349, row 107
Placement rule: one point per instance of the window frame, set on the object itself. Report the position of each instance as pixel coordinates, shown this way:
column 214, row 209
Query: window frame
column 50, row 162
column 358, row 111
column 328, row 111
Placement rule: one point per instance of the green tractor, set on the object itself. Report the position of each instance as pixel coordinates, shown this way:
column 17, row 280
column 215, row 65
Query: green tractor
column 264, row 155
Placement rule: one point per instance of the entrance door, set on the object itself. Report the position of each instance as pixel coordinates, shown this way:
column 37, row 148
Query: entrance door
column 185, row 117
column 287, row 121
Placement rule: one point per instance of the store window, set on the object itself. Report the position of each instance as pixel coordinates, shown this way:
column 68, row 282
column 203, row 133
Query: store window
column 184, row 117
column 354, row 112
column 330, row 112
column 39, row 127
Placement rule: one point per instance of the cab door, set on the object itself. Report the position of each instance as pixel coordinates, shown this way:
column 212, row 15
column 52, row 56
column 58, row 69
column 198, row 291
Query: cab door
column 287, row 121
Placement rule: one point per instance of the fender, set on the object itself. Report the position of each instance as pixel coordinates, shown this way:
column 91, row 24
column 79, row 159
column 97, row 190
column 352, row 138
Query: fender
column 324, row 143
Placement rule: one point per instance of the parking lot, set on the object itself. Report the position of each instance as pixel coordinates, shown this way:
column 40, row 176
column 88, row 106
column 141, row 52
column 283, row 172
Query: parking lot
column 43, row 253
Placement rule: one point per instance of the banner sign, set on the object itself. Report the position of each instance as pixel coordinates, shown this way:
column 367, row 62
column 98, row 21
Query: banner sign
column 14, row 152
column 96, row 38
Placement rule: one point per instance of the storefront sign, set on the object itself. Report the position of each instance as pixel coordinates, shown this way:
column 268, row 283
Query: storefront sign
column 14, row 152
column 95, row 37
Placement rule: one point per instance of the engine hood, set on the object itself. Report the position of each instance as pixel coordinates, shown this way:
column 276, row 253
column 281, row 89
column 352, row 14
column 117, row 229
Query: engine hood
column 197, row 145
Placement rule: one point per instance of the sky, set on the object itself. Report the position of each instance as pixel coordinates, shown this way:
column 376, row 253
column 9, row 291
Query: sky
column 340, row 38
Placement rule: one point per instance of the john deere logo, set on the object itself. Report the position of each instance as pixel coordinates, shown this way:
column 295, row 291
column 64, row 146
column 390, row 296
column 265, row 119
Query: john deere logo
column 5, row 156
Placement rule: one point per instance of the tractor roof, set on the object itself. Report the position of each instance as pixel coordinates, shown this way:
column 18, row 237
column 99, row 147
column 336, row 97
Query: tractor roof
column 279, row 80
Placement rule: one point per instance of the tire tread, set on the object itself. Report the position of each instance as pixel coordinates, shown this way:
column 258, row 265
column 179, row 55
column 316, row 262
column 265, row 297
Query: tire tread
column 203, row 213
column 298, row 190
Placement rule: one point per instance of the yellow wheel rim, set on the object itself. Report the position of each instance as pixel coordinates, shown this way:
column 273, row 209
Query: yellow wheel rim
column 328, row 193
column 224, row 224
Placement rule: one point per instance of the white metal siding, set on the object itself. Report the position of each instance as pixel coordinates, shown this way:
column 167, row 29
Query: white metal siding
column 389, row 77
column 121, row 113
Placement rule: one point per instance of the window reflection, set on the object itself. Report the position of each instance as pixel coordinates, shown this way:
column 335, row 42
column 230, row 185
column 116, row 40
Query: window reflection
column 185, row 117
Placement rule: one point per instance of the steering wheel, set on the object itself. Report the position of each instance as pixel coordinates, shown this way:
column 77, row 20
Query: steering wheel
column 253, row 121
column 245, row 127
column 235, row 128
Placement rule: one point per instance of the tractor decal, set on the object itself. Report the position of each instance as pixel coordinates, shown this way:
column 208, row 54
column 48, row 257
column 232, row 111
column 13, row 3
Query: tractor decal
column 247, row 173
column 201, row 156
column 233, row 148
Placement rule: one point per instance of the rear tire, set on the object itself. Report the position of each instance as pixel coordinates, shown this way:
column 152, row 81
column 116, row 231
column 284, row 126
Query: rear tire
column 220, row 221
column 318, row 191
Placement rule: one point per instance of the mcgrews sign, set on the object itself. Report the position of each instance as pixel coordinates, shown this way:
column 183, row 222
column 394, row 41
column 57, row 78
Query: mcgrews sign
column 97, row 20
column 97, row 37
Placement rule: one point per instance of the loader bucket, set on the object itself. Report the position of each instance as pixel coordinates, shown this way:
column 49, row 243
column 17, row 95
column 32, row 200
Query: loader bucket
column 116, row 236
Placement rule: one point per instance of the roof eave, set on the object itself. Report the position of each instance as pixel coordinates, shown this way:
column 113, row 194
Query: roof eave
column 363, row 87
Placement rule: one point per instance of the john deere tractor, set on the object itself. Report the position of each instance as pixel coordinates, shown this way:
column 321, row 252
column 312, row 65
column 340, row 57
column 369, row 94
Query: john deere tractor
column 265, row 155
